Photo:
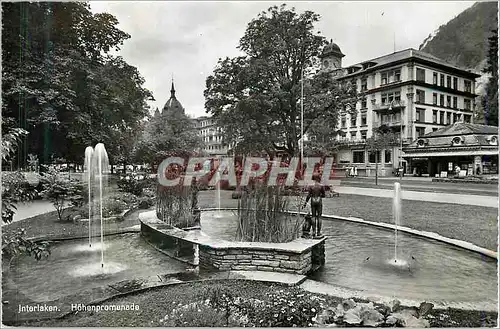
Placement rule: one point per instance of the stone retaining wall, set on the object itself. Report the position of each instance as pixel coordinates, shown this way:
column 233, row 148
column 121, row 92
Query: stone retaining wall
column 248, row 259
column 300, row 256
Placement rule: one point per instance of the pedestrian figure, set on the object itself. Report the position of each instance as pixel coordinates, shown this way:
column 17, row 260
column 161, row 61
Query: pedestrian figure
column 316, row 194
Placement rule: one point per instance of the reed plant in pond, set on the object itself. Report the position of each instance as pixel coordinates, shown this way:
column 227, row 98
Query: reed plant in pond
column 174, row 205
column 263, row 217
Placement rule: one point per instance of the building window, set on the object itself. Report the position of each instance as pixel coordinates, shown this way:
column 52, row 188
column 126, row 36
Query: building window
column 420, row 96
column 435, row 78
column 364, row 84
column 434, row 98
column 343, row 123
column 353, row 121
column 384, row 78
column 363, row 135
column 455, row 83
column 448, row 118
column 397, row 75
column 455, row 117
column 467, row 86
column 448, row 101
column 455, row 102
column 363, row 120
column 388, row 156
column 434, row 116
column 420, row 131
column 364, row 104
column 387, row 98
column 467, row 118
column 441, row 78
column 353, row 135
column 448, row 81
column 467, row 104
column 441, row 117
column 420, row 115
column 420, row 74
column 373, row 155
column 441, row 100
column 358, row 156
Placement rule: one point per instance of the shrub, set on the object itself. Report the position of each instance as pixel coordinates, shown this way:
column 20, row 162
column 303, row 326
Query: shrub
column 131, row 185
column 145, row 203
column 15, row 243
column 194, row 315
column 113, row 207
column 350, row 313
column 15, row 189
column 59, row 189
column 286, row 309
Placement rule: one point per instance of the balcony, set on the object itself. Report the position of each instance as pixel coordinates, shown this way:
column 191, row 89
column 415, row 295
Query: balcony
column 388, row 123
column 394, row 105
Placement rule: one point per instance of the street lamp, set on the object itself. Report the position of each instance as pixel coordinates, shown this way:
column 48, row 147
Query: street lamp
column 302, row 119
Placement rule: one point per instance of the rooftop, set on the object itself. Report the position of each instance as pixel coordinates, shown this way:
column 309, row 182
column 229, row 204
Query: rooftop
column 402, row 55
column 463, row 128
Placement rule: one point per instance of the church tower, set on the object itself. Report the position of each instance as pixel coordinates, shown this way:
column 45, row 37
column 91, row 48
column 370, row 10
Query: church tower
column 172, row 106
column 331, row 58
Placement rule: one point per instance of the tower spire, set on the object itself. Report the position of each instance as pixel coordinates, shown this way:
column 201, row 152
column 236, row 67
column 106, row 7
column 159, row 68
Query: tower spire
column 172, row 90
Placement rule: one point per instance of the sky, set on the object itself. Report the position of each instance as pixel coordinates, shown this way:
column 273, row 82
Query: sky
column 184, row 40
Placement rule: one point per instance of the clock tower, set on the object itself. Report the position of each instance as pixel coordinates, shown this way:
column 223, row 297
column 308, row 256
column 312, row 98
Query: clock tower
column 331, row 59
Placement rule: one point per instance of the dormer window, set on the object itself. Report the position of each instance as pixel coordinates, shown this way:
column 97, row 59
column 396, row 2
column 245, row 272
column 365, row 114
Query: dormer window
column 456, row 141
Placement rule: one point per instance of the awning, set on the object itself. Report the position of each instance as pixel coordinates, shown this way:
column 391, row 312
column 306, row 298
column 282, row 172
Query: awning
column 450, row 154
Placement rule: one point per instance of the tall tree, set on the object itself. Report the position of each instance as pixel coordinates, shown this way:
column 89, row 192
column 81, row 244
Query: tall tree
column 256, row 97
column 167, row 135
column 59, row 84
column 383, row 138
column 490, row 98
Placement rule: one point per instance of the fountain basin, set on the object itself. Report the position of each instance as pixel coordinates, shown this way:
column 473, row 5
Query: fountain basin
column 74, row 268
column 215, row 252
column 360, row 257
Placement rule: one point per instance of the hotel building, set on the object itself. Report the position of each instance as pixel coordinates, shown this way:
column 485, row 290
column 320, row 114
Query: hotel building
column 410, row 92
column 212, row 136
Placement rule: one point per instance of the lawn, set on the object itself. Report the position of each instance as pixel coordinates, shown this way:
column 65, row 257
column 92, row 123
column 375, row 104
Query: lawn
column 260, row 304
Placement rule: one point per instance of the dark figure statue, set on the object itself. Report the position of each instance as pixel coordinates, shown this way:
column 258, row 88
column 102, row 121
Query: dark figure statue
column 194, row 193
column 316, row 194
column 306, row 228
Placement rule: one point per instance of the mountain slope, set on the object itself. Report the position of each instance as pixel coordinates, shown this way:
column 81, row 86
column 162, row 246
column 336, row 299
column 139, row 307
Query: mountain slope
column 463, row 41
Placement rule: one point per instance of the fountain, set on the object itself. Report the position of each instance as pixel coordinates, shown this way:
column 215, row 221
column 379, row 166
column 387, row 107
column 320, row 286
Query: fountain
column 396, row 214
column 100, row 169
column 87, row 177
column 218, row 214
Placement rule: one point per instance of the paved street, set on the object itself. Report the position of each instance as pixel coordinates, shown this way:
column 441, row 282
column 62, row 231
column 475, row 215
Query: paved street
column 32, row 209
column 464, row 199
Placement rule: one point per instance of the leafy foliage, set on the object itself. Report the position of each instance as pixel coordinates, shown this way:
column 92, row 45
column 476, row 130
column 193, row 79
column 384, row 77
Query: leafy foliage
column 350, row 313
column 490, row 98
column 59, row 82
column 165, row 136
column 15, row 189
column 60, row 190
column 16, row 243
column 255, row 98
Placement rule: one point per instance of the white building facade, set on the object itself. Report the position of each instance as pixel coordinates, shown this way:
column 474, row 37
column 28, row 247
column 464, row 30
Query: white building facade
column 410, row 92
column 212, row 136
